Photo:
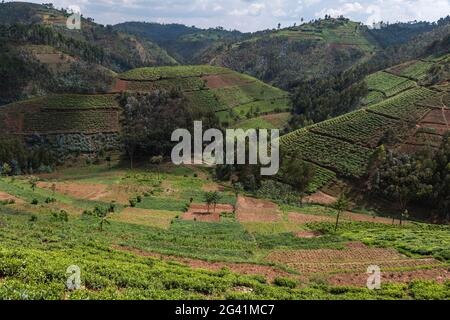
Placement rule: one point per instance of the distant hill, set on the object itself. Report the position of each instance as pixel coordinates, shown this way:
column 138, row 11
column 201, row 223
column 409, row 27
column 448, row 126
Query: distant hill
column 187, row 44
column 311, row 50
column 235, row 98
column 401, row 113
column 40, row 55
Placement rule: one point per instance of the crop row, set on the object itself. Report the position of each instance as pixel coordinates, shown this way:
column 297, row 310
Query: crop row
column 358, row 127
column 388, row 83
column 417, row 71
column 157, row 73
column 373, row 97
column 343, row 157
column 404, row 105
column 95, row 120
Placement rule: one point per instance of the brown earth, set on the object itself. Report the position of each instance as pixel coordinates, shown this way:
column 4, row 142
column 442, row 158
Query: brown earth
column 301, row 218
column 78, row 190
column 6, row 196
column 255, row 210
column 320, row 198
column 224, row 80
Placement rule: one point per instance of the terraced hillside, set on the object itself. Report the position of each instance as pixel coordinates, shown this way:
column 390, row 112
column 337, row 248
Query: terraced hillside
column 412, row 115
column 234, row 97
column 76, row 123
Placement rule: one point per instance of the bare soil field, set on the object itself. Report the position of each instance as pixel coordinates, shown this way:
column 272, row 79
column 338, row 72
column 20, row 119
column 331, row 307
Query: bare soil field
column 6, row 197
column 320, row 198
column 255, row 210
column 224, row 80
column 301, row 218
column 80, row 191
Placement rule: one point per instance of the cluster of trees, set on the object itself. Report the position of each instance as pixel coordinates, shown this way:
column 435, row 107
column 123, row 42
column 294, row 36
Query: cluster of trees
column 320, row 99
column 17, row 158
column 423, row 178
column 148, row 120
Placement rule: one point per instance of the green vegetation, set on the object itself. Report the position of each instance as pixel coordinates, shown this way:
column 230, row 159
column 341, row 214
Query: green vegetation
column 347, row 159
column 417, row 71
column 152, row 74
column 388, row 84
column 404, row 106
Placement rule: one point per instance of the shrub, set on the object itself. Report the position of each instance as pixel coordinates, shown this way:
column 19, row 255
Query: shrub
column 35, row 201
column 33, row 218
column 132, row 203
column 285, row 282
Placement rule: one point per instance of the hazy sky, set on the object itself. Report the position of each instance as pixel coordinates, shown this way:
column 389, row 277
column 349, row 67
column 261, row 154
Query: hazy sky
column 253, row 15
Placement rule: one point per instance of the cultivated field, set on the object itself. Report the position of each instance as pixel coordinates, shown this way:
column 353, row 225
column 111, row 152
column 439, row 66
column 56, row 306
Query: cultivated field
column 162, row 242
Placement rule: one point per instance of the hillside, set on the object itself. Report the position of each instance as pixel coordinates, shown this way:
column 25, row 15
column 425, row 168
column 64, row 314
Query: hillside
column 68, row 124
column 236, row 98
column 312, row 50
column 401, row 114
column 33, row 36
column 186, row 44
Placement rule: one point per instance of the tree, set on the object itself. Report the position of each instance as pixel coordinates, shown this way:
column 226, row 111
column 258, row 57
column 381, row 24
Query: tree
column 6, row 169
column 216, row 199
column 342, row 204
column 156, row 161
column 209, row 198
column 299, row 175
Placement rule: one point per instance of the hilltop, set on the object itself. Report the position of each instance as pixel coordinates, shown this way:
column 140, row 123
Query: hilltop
column 237, row 99
column 39, row 55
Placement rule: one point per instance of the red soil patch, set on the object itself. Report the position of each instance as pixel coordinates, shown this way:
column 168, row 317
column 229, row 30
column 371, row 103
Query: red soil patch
column 440, row 129
column 6, row 196
column 436, row 116
column 320, row 198
column 241, row 268
column 255, row 210
column 199, row 212
column 301, row 218
column 120, row 85
column 224, row 80
column 360, row 279
column 80, row 191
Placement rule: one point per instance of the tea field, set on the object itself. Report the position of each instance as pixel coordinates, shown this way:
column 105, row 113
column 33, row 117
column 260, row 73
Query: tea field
column 147, row 247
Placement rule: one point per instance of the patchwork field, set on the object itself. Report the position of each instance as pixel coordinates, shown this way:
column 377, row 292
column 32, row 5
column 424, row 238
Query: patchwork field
column 418, row 116
column 235, row 97
column 164, row 242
